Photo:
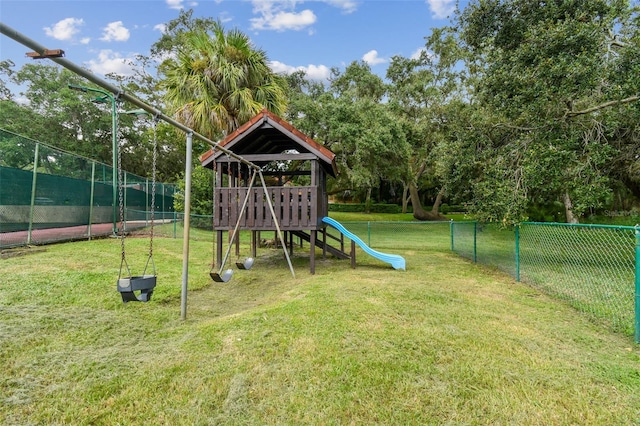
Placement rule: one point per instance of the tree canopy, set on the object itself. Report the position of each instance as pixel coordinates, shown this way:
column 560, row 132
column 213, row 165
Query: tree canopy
column 518, row 109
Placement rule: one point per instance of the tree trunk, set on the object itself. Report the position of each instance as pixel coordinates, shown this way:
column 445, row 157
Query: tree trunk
column 367, row 202
column 568, row 208
column 405, row 198
column 419, row 212
column 436, row 205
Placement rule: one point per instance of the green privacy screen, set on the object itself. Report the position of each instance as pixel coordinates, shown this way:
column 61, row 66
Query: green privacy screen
column 42, row 187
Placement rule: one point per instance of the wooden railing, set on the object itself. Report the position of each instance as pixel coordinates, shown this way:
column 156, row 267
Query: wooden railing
column 296, row 208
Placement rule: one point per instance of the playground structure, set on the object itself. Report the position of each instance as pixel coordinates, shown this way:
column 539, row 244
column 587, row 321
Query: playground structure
column 298, row 210
column 311, row 210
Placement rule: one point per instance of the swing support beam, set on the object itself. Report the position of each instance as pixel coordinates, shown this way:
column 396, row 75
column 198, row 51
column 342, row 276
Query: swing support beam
column 119, row 94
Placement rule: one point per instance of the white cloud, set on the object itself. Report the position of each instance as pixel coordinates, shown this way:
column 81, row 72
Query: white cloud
column 65, row 29
column 313, row 72
column 160, row 27
column 281, row 21
column 85, row 40
column 442, row 8
column 109, row 61
column 281, row 15
column 372, row 58
column 225, row 17
column 115, row 31
column 179, row 4
column 175, row 4
column 347, row 6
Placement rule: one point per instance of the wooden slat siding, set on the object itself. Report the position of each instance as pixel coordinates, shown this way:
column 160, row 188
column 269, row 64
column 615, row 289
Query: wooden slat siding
column 297, row 208
column 224, row 207
column 302, row 205
column 267, row 220
column 258, row 207
column 277, row 202
column 233, row 206
column 286, row 206
column 242, row 194
column 251, row 211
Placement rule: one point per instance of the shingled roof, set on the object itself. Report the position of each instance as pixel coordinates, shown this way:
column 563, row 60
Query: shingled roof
column 267, row 133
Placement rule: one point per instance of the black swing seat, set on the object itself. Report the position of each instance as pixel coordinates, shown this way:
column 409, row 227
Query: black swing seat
column 142, row 283
column 225, row 277
column 247, row 264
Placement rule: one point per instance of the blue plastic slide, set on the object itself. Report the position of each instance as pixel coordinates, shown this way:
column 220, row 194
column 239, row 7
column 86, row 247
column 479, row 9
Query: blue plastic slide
column 395, row 260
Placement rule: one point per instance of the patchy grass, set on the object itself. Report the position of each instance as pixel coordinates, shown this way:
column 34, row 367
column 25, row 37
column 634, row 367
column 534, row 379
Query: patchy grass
column 446, row 342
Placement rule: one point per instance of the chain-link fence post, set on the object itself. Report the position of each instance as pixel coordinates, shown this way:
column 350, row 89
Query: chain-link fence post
column 637, row 275
column 33, row 192
column 517, row 252
column 92, row 194
column 451, row 232
column 475, row 242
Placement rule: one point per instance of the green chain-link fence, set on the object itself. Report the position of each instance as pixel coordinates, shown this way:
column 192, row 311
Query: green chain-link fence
column 593, row 267
column 43, row 188
column 398, row 235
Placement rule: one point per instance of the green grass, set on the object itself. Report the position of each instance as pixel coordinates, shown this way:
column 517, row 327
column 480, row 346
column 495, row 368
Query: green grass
column 446, row 342
column 592, row 268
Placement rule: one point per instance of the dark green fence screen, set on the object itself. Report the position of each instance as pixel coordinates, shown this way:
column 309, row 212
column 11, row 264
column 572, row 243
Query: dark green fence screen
column 42, row 188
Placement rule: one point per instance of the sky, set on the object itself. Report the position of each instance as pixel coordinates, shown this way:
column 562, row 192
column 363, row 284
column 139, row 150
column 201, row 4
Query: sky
column 310, row 35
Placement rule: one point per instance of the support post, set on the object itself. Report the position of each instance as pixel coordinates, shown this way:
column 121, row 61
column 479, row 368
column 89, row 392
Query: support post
column 34, row 180
column 254, row 244
column 93, row 184
column 290, row 238
column 518, row 252
column 312, row 251
column 219, row 236
column 475, row 242
column 187, row 222
column 637, row 325
column 451, row 232
column 353, row 254
column 324, row 242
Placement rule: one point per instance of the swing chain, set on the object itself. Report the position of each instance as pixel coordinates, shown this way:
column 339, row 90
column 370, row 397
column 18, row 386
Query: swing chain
column 120, row 193
column 121, row 230
column 153, row 182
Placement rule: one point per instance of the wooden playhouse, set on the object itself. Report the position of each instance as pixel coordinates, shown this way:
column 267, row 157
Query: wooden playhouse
column 273, row 144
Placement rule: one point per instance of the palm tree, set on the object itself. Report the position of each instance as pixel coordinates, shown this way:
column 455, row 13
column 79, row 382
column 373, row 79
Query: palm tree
column 219, row 81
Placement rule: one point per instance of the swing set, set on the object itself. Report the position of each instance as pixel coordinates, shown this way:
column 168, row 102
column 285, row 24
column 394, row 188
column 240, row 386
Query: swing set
column 144, row 283
column 139, row 288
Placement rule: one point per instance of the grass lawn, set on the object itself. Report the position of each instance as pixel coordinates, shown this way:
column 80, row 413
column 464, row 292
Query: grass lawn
column 446, row 342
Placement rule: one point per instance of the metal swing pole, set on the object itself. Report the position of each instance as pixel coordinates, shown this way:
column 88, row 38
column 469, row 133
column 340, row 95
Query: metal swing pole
column 187, row 225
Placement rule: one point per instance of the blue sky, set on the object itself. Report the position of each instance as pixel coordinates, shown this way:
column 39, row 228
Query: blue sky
column 311, row 35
